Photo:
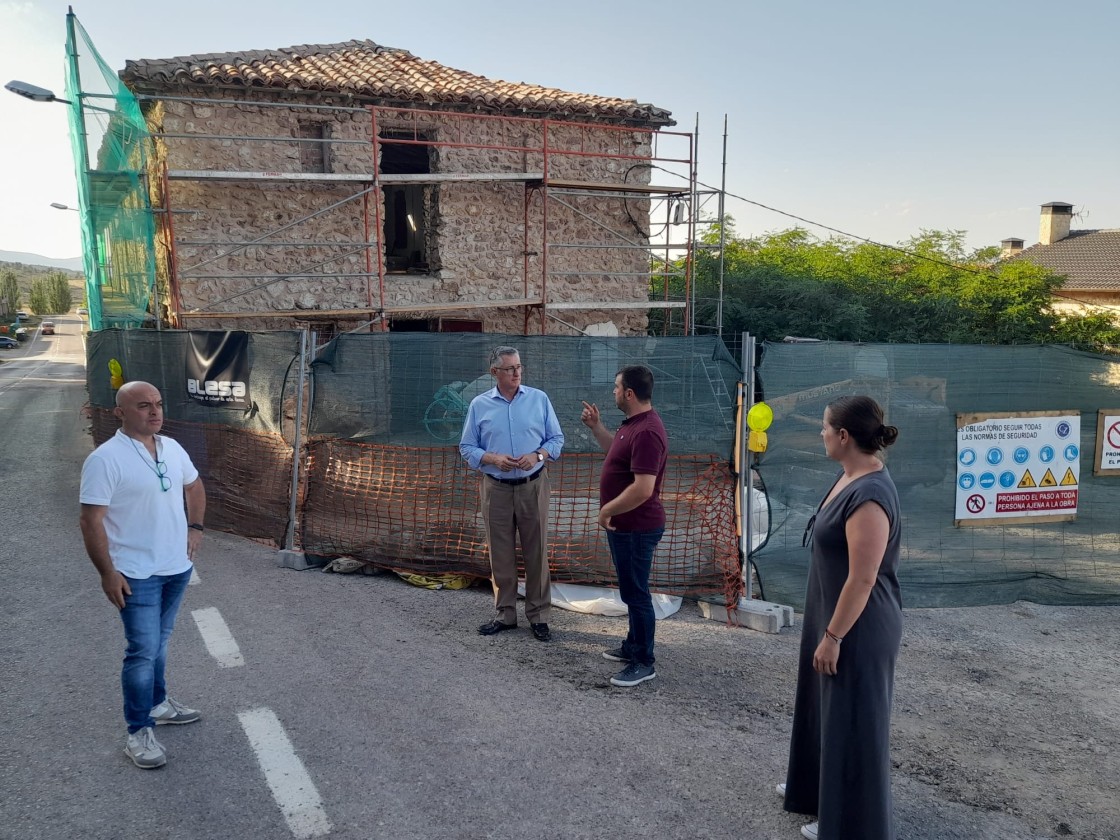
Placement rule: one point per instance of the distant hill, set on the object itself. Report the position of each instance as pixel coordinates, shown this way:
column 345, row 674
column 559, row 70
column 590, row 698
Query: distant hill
column 21, row 258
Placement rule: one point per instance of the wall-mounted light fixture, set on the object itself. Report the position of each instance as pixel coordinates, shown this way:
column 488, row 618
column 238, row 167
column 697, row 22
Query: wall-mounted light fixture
column 411, row 223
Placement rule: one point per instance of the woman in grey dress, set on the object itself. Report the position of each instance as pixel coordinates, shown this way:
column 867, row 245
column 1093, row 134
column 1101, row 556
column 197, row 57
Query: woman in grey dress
column 839, row 757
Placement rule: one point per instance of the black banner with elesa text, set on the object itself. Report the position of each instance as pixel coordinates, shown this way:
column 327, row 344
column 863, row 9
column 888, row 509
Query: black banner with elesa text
column 218, row 369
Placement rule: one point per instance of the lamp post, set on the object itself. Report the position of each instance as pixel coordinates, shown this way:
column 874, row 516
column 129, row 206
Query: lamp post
column 39, row 94
column 34, row 92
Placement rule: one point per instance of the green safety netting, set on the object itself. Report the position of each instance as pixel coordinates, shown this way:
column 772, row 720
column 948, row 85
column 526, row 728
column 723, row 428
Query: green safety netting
column 112, row 149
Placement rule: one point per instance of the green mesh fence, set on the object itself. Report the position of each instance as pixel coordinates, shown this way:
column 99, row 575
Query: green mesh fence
column 111, row 148
column 923, row 388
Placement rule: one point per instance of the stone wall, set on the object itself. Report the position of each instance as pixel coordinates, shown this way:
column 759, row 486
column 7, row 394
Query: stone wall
column 487, row 238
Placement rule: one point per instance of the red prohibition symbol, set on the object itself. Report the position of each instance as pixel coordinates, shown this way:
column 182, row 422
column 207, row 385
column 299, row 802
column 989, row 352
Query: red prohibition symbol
column 1114, row 435
column 975, row 503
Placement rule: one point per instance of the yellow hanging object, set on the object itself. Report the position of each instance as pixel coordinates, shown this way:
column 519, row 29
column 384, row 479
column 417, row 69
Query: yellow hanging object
column 759, row 419
column 116, row 375
column 757, row 441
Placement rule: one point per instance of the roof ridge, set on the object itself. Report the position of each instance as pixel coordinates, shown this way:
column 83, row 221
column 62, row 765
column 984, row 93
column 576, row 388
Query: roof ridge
column 294, row 51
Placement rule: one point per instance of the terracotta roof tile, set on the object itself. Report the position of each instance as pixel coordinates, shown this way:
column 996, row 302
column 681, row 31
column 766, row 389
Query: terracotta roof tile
column 1090, row 259
column 369, row 70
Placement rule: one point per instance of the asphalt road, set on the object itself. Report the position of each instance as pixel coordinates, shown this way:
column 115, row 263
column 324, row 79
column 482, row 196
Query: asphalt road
column 360, row 707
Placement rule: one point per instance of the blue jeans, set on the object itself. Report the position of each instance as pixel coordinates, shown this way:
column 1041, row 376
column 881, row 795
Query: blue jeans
column 148, row 616
column 632, row 552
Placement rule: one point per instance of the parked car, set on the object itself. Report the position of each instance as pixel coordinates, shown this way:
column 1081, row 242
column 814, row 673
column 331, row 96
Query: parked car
column 47, row 327
column 21, row 334
column 82, row 310
column 21, row 315
column 8, row 343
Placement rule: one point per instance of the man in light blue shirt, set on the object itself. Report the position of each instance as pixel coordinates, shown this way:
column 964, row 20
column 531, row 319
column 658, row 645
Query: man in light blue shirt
column 510, row 434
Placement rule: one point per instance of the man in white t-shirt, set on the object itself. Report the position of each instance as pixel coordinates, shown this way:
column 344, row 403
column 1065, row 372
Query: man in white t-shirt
column 143, row 546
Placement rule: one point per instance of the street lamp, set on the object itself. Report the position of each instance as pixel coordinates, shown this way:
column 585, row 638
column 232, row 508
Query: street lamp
column 58, row 206
column 34, row 92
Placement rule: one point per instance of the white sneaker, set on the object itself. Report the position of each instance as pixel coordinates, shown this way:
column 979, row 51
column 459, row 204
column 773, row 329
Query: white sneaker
column 780, row 787
column 144, row 750
column 809, row 832
column 171, row 712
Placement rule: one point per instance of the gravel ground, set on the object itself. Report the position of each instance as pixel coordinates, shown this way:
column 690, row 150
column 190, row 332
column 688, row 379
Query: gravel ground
column 1006, row 720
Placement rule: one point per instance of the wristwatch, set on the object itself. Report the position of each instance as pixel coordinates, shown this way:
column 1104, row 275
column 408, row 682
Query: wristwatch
column 197, row 526
column 540, row 456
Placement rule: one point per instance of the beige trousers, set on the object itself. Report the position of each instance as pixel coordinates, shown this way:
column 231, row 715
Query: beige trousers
column 511, row 511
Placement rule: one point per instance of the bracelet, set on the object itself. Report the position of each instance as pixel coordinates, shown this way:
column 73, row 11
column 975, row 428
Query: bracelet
column 833, row 636
column 197, row 526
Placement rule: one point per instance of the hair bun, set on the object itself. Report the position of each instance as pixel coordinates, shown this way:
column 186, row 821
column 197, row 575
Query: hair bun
column 888, row 435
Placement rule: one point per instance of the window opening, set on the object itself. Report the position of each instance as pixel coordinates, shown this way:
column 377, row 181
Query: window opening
column 408, row 207
column 314, row 154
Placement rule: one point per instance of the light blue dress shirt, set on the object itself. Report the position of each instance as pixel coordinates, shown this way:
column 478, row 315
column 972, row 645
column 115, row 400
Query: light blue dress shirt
column 510, row 427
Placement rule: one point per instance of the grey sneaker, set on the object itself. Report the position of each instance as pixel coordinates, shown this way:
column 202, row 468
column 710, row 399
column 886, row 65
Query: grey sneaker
column 633, row 674
column 616, row 655
column 780, row 788
column 171, row 712
column 144, row 750
column 809, row 832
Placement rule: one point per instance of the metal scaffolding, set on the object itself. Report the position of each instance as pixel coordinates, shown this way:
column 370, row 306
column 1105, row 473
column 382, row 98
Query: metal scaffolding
column 558, row 146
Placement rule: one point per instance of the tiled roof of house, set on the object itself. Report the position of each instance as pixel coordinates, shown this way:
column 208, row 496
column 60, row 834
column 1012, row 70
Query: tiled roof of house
column 1090, row 259
column 366, row 69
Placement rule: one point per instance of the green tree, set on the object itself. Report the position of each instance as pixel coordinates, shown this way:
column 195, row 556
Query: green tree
column 930, row 289
column 9, row 292
column 39, row 296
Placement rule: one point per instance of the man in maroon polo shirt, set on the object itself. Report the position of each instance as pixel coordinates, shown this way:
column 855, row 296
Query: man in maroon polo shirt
column 630, row 509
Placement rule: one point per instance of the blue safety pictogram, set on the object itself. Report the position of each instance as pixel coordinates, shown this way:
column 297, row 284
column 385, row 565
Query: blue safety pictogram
column 967, row 457
column 1007, row 479
column 987, row 480
column 1046, row 454
column 1071, row 452
column 966, row 481
column 995, row 456
column 1022, row 455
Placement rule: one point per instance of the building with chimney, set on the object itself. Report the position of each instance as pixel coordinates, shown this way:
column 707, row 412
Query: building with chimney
column 1089, row 260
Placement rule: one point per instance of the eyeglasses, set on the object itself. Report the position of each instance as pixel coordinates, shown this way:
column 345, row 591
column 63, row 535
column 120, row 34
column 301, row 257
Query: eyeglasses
column 160, row 469
column 512, row 369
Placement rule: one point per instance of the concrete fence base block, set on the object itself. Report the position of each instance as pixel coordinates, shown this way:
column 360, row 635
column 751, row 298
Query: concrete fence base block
column 762, row 616
column 292, row 559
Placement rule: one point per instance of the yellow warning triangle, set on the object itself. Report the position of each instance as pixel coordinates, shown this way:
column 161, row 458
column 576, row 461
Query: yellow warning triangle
column 1069, row 478
column 1028, row 480
column 1048, row 480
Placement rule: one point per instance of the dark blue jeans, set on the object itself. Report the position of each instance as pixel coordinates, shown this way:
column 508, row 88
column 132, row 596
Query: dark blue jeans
column 149, row 617
column 632, row 552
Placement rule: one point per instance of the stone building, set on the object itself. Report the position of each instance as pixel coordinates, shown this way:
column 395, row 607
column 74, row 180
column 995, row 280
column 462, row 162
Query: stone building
column 336, row 185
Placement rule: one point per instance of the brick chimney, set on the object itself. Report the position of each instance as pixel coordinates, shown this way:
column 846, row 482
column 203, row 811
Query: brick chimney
column 1054, row 224
column 1010, row 247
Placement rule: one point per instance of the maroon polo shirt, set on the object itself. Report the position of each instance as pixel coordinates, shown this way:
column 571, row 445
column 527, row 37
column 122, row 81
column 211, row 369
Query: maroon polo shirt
column 640, row 446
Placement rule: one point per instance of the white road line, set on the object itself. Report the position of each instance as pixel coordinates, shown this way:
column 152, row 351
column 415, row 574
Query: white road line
column 219, row 641
column 287, row 778
column 194, row 577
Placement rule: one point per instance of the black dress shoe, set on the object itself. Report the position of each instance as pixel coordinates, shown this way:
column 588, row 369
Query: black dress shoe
column 495, row 626
column 541, row 632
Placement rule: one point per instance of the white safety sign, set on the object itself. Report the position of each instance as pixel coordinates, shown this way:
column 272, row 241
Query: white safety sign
column 1018, row 466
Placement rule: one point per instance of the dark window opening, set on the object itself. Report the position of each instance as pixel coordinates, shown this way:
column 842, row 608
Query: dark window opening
column 314, row 151
column 451, row 325
column 409, row 207
column 410, row 325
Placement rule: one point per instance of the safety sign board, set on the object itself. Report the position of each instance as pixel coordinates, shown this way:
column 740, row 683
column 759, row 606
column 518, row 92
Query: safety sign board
column 1107, row 458
column 1038, row 459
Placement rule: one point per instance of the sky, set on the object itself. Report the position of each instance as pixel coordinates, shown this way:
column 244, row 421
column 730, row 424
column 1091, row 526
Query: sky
column 876, row 117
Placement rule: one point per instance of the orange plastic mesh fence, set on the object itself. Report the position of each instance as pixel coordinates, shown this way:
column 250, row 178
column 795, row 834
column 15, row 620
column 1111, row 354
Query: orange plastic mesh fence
column 417, row 509
column 247, row 474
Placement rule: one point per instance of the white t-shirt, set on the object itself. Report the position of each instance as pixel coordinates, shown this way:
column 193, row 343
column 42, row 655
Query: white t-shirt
column 146, row 525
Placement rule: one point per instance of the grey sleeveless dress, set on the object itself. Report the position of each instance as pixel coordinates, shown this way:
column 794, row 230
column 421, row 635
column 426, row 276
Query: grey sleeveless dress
column 839, row 756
